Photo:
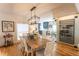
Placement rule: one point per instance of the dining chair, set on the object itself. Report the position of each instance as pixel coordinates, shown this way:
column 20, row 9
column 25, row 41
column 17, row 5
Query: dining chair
column 26, row 50
column 50, row 49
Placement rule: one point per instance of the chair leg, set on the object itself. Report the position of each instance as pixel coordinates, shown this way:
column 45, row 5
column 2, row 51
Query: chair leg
column 25, row 54
column 29, row 54
column 33, row 53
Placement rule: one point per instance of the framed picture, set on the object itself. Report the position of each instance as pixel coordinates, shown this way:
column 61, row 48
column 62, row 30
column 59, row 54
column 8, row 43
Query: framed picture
column 7, row 26
column 45, row 25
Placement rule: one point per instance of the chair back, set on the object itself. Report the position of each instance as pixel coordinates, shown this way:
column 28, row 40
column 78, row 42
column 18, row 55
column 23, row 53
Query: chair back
column 49, row 50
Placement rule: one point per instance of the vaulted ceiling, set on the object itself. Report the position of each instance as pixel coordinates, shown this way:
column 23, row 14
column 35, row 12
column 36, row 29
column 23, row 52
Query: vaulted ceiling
column 22, row 9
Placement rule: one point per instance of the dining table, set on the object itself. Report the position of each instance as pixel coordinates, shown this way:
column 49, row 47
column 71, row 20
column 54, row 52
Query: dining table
column 33, row 45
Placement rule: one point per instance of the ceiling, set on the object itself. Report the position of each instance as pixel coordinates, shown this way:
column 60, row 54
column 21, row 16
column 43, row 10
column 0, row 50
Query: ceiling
column 24, row 8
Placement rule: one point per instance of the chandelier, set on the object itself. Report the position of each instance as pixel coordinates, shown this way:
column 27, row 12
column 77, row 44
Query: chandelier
column 34, row 18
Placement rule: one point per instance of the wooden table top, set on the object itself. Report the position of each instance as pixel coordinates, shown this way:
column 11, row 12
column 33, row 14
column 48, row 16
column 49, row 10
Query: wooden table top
column 33, row 44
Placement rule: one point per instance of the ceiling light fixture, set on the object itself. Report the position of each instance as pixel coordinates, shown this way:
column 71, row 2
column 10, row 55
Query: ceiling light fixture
column 34, row 18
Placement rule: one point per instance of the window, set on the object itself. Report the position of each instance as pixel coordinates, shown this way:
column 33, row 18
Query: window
column 22, row 30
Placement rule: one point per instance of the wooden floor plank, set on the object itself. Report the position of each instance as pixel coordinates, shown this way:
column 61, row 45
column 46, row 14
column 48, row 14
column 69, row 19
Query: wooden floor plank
column 60, row 48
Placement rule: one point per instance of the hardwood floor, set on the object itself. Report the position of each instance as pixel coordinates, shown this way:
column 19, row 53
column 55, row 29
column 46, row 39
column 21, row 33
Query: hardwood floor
column 10, row 51
column 60, row 50
column 66, row 50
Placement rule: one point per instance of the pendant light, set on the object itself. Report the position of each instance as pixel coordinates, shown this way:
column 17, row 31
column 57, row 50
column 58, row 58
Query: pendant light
column 34, row 18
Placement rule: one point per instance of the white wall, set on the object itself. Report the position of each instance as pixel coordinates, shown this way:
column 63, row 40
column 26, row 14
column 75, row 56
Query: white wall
column 47, row 16
column 10, row 17
column 77, row 7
